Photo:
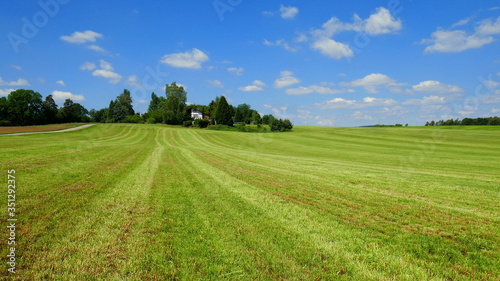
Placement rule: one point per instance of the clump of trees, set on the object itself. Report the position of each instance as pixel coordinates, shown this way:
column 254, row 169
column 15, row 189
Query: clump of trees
column 26, row 107
column 488, row 121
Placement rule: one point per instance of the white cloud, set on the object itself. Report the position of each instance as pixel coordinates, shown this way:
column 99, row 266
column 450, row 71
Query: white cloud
column 236, row 70
column 19, row 82
column 141, row 101
column 372, row 82
column 281, row 43
column 286, row 79
column 259, row 83
column 354, row 104
column 303, row 114
column 278, row 111
column 251, row 88
column 489, row 27
column 88, row 66
column 462, row 22
column 325, row 122
column 61, row 82
column 332, row 48
column 429, row 100
column 299, row 91
column 17, row 67
column 454, row 41
column 113, row 77
column 62, row 96
column 436, row 87
column 492, row 84
column 191, row 59
column 288, row 12
column 105, row 65
column 82, row 37
column 301, row 37
column 133, row 81
column 5, row 92
column 96, row 48
column 315, row 89
column 257, row 86
column 382, row 22
column 216, row 84
column 358, row 115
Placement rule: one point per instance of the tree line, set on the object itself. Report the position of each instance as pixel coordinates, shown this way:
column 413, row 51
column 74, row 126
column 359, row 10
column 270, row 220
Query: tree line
column 483, row 121
column 27, row 107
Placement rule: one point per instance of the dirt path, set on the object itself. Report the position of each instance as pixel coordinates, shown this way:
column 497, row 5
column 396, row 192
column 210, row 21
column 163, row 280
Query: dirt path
column 48, row 132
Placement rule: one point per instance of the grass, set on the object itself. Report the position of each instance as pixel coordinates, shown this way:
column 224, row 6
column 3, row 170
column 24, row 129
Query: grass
column 151, row 202
column 41, row 128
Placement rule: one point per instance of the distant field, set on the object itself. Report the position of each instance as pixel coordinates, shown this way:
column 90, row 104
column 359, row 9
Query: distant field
column 152, row 202
column 43, row 128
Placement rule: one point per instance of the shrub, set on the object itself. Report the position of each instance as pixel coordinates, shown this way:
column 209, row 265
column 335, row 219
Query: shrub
column 133, row 119
column 188, row 123
column 202, row 123
column 150, row 120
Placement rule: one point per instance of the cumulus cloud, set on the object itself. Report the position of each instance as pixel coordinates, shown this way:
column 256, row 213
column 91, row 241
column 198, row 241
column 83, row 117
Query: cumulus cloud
column 5, row 92
column 82, row 37
column 358, row 115
column 190, row 59
column 355, row 104
column 332, row 48
column 19, row 82
column 236, row 70
column 216, row 84
column 61, row 82
column 286, row 79
column 454, row 41
column 429, row 100
column 17, row 67
column 436, row 87
column 288, row 12
column 316, row 89
column 113, row 77
column 372, row 82
column 88, row 66
column 257, row 86
column 105, row 65
column 133, row 81
column 281, row 43
column 62, row 96
column 381, row 22
column 96, row 48
column 106, row 71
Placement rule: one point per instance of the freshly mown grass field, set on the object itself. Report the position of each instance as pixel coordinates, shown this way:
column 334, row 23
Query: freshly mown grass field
column 41, row 128
column 152, row 202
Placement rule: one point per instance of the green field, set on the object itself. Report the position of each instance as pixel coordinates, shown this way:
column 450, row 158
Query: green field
column 152, row 202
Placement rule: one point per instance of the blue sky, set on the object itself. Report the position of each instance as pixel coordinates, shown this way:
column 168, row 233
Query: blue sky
column 318, row 63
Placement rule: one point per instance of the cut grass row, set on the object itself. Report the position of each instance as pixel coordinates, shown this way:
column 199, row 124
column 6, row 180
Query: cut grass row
column 150, row 202
column 41, row 128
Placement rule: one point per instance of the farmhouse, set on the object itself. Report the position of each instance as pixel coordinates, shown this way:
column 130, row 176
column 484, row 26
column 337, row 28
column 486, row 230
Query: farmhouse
column 197, row 114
